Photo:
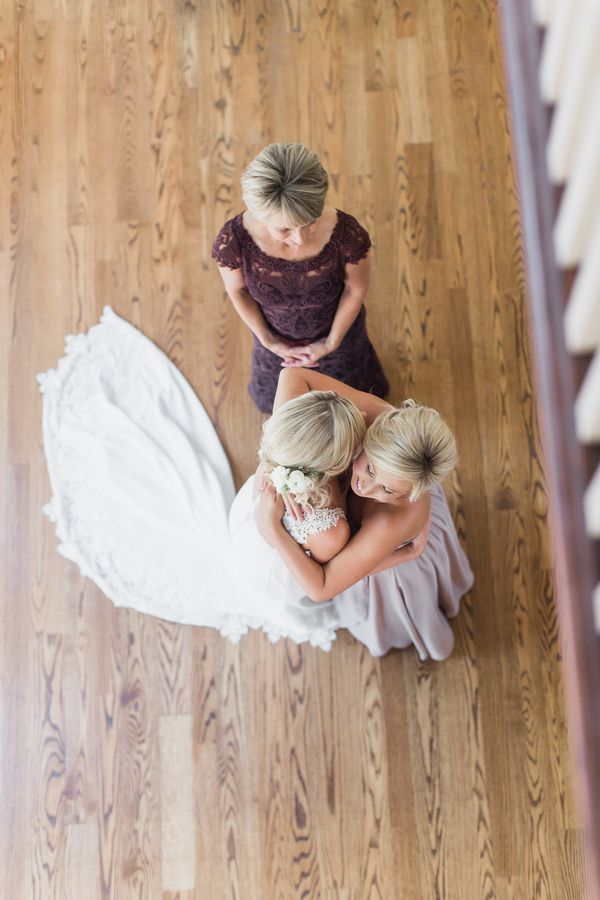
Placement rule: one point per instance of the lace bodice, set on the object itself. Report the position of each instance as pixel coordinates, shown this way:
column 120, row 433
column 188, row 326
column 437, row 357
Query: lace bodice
column 298, row 298
column 313, row 523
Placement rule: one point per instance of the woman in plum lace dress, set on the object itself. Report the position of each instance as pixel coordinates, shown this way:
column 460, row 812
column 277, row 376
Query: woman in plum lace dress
column 297, row 273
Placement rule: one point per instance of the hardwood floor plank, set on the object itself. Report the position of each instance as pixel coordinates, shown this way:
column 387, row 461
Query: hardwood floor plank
column 426, row 762
column 139, row 783
column 113, row 644
column 47, row 851
column 16, row 682
column 207, row 652
column 407, row 18
column 79, row 688
column 465, row 783
column 82, row 868
column 412, row 103
column 178, row 833
column 174, row 660
column 338, row 798
column 238, row 828
column 396, row 699
column 373, row 766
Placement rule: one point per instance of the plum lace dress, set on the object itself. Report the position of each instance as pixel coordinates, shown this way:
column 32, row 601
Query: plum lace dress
column 299, row 300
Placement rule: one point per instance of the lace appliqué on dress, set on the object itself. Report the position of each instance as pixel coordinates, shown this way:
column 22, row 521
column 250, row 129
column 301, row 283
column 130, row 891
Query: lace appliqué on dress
column 299, row 300
column 226, row 249
column 313, row 523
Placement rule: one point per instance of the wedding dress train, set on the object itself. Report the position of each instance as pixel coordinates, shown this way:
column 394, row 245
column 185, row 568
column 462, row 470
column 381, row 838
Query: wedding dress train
column 143, row 497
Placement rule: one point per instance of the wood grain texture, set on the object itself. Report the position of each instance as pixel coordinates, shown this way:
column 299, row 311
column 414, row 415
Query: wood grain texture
column 178, row 832
column 124, row 128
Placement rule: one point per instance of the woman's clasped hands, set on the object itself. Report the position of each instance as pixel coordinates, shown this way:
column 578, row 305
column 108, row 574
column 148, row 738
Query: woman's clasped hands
column 307, row 356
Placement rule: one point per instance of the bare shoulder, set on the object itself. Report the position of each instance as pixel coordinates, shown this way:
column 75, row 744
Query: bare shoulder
column 329, row 219
column 404, row 521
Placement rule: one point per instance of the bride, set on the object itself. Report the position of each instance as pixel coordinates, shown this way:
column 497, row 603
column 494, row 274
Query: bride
column 144, row 501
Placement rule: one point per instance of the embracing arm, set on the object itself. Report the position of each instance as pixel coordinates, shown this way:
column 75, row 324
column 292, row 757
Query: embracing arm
column 357, row 560
column 323, row 545
column 361, row 556
column 405, row 554
column 294, row 382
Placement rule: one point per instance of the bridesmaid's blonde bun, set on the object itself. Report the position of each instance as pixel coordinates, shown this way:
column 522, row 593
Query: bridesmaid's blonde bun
column 412, row 443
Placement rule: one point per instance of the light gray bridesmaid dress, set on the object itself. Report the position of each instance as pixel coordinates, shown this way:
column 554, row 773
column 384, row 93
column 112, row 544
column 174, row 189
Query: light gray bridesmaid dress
column 412, row 602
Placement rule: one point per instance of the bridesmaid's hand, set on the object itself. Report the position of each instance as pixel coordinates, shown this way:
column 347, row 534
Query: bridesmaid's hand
column 408, row 553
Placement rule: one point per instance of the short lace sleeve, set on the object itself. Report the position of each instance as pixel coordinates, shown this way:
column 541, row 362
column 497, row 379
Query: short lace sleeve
column 314, row 522
column 355, row 241
column 226, row 249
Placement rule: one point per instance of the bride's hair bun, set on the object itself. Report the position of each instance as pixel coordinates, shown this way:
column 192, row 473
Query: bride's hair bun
column 318, row 432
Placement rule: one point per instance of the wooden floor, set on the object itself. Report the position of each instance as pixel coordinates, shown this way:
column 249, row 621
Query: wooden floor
column 140, row 759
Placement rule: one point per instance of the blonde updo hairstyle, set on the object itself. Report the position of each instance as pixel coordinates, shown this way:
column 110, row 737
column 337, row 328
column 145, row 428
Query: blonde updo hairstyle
column 319, row 433
column 286, row 179
column 412, row 443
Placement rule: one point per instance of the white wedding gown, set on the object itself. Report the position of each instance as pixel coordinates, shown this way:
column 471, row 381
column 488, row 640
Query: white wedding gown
column 144, row 501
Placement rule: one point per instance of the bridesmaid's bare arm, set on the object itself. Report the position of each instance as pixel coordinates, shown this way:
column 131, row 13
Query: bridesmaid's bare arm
column 294, row 382
column 363, row 553
column 405, row 554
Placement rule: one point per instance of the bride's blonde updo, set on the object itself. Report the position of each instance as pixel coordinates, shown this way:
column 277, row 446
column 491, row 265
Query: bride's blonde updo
column 412, row 443
column 319, row 434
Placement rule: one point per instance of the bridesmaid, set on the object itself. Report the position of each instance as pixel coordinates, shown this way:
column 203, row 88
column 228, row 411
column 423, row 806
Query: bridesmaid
column 297, row 272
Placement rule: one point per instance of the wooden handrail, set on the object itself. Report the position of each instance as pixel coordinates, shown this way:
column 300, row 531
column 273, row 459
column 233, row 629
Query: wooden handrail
column 575, row 565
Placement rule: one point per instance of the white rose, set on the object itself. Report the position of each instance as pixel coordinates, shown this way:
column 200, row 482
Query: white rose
column 278, row 477
column 298, row 482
